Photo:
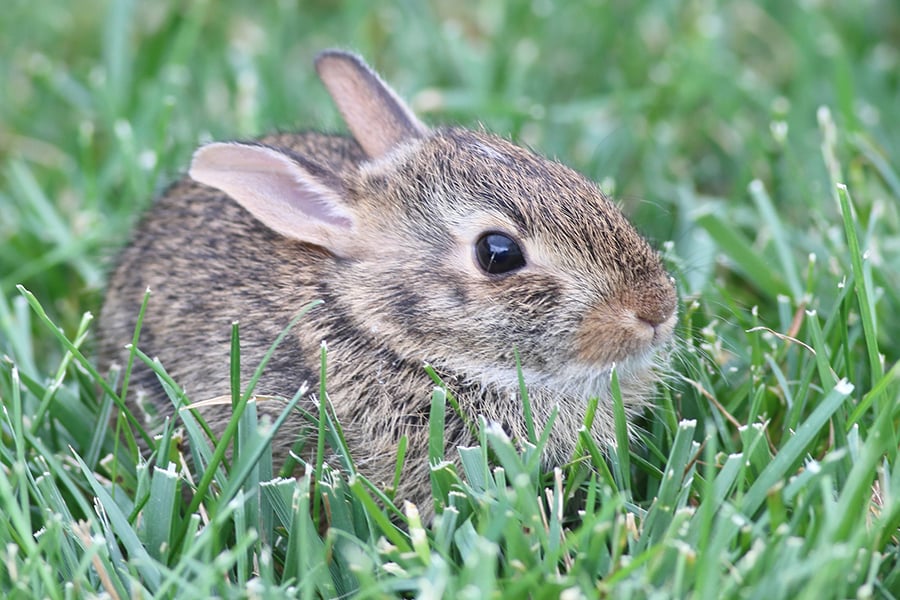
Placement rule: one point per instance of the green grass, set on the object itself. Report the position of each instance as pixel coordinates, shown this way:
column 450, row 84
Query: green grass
column 755, row 142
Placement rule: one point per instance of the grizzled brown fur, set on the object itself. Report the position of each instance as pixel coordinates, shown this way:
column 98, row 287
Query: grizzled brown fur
column 384, row 234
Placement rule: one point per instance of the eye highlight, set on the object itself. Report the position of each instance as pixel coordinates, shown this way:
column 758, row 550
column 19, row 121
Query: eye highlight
column 498, row 254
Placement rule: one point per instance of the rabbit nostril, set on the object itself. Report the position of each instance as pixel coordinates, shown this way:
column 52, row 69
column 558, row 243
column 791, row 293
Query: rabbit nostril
column 655, row 318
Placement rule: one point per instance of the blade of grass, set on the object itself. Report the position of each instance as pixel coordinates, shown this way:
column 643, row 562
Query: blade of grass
column 622, row 463
column 159, row 512
column 322, row 402
column 779, row 237
column 526, row 403
column 80, row 358
column 790, row 453
column 251, row 455
column 863, row 283
column 123, row 530
column 746, row 260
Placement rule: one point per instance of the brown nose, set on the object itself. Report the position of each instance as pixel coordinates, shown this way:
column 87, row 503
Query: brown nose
column 655, row 304
column 616, row 328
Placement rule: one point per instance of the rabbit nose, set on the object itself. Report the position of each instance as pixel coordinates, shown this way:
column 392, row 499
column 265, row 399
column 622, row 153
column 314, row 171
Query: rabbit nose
column 656, row 305
column 628, row 324
column 657, row 311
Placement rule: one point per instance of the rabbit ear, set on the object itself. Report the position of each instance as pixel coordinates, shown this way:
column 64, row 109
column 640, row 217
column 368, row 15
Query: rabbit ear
column 375, row 115
column 279, row 191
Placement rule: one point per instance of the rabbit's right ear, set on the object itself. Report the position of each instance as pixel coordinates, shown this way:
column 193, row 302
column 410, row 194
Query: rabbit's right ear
column 376, row 116
column 279, row 191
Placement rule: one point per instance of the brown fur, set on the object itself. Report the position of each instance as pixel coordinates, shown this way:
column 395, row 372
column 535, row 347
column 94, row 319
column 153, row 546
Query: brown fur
column 401, row 290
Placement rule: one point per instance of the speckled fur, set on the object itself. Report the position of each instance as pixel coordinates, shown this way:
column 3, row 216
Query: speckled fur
column 411, row 293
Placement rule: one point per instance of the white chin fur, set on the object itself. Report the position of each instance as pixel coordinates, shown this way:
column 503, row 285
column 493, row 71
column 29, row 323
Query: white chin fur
column 582, row 382
column 568, row 392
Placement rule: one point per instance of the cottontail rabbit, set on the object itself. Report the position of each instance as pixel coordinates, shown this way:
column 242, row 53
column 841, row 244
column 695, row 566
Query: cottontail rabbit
column 442, row 246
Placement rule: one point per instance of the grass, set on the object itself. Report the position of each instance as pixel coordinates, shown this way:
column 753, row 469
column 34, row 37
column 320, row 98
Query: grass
column 754, row 141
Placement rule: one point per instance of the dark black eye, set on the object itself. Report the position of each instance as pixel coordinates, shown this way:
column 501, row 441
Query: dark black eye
column 497, row 253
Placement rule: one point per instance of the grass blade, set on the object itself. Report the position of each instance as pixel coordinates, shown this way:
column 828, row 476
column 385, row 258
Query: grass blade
column 790, row 453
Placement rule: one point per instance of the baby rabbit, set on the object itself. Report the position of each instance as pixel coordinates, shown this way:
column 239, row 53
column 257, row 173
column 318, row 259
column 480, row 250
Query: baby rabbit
column 442, row 246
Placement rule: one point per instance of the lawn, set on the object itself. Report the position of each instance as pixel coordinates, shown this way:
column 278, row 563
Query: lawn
column 754, row 143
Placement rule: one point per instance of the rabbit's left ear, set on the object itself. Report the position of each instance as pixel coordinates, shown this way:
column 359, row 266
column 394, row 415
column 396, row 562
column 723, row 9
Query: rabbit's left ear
column 376, row 116
column 281, row 192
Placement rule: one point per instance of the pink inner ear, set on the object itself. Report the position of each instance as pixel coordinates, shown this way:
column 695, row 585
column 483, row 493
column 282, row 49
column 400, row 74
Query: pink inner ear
column 376, row 116
column 277, row 191
column 297, row 198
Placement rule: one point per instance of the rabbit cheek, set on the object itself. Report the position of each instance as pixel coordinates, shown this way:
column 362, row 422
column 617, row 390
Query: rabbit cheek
column 527, row 312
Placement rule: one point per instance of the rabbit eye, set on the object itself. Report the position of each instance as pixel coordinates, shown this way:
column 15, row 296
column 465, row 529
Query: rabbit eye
column 497, row 253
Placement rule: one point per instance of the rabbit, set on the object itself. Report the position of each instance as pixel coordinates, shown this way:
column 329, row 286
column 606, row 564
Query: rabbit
column 447, row 246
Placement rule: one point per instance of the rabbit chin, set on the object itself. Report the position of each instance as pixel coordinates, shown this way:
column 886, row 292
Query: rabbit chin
column 581, row 380
column 567, row 392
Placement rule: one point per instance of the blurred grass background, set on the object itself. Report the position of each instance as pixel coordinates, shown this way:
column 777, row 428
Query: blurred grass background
column 680, row 104
column 703, row 118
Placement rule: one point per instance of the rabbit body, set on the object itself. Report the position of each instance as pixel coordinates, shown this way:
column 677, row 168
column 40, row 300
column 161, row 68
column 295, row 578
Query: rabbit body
column 385, row 226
